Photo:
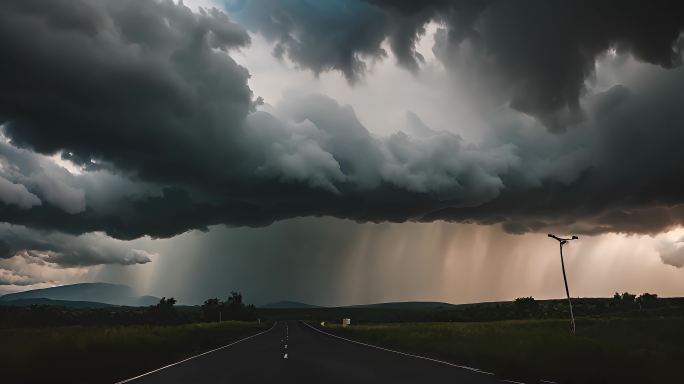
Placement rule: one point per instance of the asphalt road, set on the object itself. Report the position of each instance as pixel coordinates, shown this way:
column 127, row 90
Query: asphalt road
column 291, row 352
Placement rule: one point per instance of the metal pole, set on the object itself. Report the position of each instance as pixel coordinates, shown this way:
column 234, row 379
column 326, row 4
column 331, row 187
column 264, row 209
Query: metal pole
column 567, row 291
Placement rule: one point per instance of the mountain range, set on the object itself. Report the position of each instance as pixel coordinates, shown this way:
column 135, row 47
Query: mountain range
column 93, row 293
column 102, row 295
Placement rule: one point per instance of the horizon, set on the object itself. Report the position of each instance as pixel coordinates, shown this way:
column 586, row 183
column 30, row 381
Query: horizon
column 323, row 305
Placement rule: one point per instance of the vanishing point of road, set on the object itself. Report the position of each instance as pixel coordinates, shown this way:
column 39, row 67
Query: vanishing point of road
column 293, row 352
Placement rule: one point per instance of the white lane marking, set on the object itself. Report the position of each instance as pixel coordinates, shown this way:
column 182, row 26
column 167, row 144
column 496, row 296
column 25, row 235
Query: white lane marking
column 400, row 353
column 285, row 357
column 511, row 381
column 193, row 357
column 548, row 381
column 285, row 346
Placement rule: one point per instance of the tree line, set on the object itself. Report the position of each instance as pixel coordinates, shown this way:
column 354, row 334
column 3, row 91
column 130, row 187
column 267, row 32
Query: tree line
column 624, row 303
column 165, row 312
column 232, row 308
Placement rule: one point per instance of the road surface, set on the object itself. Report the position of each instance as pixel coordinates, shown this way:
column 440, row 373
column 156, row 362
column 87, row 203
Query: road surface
column 291, row 352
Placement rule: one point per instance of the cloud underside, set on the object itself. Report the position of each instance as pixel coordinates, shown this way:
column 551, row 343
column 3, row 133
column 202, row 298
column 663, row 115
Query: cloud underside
column 537, row 54
column 65, row 250
column 144, row 97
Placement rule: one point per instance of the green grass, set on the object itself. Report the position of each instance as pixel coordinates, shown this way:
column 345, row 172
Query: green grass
column 604, row 350
column 106, row 354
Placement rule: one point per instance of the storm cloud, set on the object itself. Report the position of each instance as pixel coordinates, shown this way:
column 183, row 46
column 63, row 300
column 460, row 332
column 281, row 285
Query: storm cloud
column 145, row 85
column 17, row 194
column 66, row 251
column 535, row 55
column 321, row 36
column 144, row 100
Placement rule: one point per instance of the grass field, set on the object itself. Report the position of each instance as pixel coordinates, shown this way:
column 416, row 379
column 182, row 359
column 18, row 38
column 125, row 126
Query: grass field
column 604, row 350
column 106, row 354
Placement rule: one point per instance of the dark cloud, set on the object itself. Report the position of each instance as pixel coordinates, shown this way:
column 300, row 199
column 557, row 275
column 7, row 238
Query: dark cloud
column 542, row 52
column 619, row 173
column 536, row 53
column 145, row 85
column 65, row 251
column 318, row 35
column 615, row 173
column 17, row 194
column 144, row 98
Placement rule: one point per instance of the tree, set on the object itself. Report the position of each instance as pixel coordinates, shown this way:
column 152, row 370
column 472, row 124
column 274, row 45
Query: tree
column 163, row 312
column 526, row 306
column 628, row 298
column 231, row 309
column 647, row 300
column 211, row 309
column 617, row 299
column 625, row 300
column 235, row 300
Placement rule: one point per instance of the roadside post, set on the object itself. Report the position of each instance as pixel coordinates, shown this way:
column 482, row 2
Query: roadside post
column 562, row 242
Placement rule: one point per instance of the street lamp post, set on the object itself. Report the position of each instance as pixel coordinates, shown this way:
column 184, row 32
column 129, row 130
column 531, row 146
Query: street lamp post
column 562, row 241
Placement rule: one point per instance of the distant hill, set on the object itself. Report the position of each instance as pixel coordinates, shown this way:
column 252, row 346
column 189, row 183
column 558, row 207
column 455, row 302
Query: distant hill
column 115, row 294
column 61, row 303
column 408, row 305
column 288, row 305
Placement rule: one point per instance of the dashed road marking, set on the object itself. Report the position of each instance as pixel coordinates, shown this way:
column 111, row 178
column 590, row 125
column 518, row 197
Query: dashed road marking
column 285, row 357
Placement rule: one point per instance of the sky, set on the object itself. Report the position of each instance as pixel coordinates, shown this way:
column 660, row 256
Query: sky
column 343, row 151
